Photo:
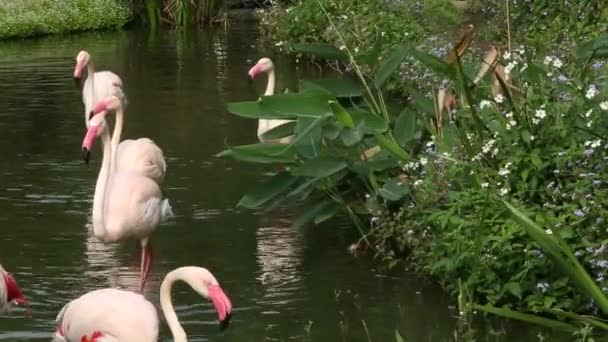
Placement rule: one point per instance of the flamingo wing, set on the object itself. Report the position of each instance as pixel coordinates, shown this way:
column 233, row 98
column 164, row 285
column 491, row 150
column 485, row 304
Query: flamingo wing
column 108, row 315
column 143, row 157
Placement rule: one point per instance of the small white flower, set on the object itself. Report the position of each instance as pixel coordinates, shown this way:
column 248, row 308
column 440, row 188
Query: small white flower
column 535, row 121
column 280, row 43
column 540, row 114
column 484, row 104
column 507, row 56
column 589, row 123
column 596, row 143
column 485, row 185
column 548, row 60
column 509, row 115
column 342, row 47
column 604, row 105
column 382, row 34
column 430, row 143
column 503, row 191
column 344, row 16
column 503, row 172
column 548, row 231
column 356, row 49
column 524, row 67
column 418, row 182
column 499, row 98
column 557, row 63
column 532, row 138
column 423, row 161
column 592, row 91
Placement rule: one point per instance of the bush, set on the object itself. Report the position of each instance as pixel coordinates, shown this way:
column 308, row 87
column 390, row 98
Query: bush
column 39, row 17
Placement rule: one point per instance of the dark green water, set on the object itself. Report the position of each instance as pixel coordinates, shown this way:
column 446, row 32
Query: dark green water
column 285, row 284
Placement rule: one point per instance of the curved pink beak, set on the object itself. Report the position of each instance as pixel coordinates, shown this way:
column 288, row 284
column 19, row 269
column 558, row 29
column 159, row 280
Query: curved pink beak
column 222, row 304
column 88, row 141
column 78, row 72
column 255, row 71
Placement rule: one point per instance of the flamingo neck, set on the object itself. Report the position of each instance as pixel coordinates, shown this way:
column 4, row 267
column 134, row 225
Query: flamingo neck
column 179, row 335
column 90, row 76
column 100, row 186
column 116, row 136
column 270, row 83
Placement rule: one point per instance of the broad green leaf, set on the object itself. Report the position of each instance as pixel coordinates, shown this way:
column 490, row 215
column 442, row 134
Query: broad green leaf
column 393, row 190
column 539, row 320
column 331, row 130
column 390, row 65
column 251, row 110
column 308, row 136
column 391, row 147
column 261, row 153
column 339, row 87
column 311, row 213
column 371, row 123
column 310, row 103
column 514, row 288
column 320, row 167
column 280, row 131
column 341, row 114
column 405, row 127
column 350, row 137
column 267, row 190
column 321, row 50
column 326, row 212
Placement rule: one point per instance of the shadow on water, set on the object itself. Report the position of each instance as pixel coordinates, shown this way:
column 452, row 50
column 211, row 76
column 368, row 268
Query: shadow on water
column 286, row 284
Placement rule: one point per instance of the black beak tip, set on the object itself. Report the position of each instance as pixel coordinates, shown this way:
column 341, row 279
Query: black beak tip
column 224, row 324
column 86, row 155
column 77, row 81
column 91, row 114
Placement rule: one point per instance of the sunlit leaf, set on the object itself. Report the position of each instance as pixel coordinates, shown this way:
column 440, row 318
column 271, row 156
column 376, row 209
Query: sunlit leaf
column 390, row 65
column 267, row 190
column 320, row 167
column 321, row 50
column 280, row 131
column 341, row 115
column 261, row 153
column 392, row 147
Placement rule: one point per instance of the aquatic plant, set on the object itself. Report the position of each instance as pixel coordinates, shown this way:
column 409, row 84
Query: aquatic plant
column 181, row 13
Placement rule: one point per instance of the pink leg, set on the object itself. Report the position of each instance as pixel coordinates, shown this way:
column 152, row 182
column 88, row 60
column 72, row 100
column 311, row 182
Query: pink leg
column 146, row 263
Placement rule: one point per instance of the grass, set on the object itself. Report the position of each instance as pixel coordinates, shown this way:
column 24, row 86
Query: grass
column 26, row 18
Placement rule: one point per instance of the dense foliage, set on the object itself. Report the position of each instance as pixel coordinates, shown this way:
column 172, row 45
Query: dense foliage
column 39, row 17
column 180, row 13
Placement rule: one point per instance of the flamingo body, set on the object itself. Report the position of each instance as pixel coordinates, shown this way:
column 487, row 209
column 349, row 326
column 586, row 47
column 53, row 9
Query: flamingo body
column 113, row 315
column 142, row 156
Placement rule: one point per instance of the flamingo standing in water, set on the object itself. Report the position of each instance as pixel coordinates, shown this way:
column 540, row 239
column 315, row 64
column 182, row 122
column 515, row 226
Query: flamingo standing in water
column 265, row 65
column 10, row 293
column 126, row 204
column 141, row 156
column 112, row 315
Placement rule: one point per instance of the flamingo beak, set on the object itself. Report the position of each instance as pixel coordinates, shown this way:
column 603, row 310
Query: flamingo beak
column 86, row 155
column 222, row 305
column 254, row 71
column 88, row 141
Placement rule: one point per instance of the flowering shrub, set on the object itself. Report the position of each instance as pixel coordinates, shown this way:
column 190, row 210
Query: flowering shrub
column 37, row 17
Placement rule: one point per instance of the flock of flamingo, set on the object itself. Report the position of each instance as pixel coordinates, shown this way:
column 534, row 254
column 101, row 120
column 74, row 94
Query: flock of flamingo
column 128, row 204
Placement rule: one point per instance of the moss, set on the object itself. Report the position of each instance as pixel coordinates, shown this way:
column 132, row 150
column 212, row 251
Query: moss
column 25, row 18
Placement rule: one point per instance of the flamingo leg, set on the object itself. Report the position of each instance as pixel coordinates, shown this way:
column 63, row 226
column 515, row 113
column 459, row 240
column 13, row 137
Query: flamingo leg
column 146, row 263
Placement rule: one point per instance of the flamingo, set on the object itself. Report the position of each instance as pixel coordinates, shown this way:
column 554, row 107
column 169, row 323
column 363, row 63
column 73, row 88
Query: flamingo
column 265, row 65
column 126, row 204
column 112, row 315
column 142, row 156
column 10, row 293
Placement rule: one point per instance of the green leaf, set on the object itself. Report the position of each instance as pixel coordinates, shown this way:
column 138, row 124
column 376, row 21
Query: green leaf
column 434, row 63
column 341, row 114
column 319, row 209
column 350, row 137
column 308, row 134
column 320, row 167
column 280, row 131
column 342, row 87
column 393, row 190
column 390, row 65
column 514, row 288
column 405, row 127
column 326, row 212
column 371, row 123
column 546, row 322
column 310, row 103
column 261, row 153
column 267, row 190
column 251, row 110
column 391, row 147
column 321, row 50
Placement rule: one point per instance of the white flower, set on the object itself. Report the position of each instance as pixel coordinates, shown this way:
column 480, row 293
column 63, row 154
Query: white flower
column 418, row 182
column 557, row 63
column 280, row 43
column 509, row 115
column 356, row 49
column 532, row 138
column 524, row 67
column 503, row 191
column 540, row 114
column 535, row 121
column 588, row 114
column 484, row 104
column 342, row 47
column 589, row 123
column 504, row 172
column 382, row 34
column 499, row 98
column 604, row 105
column 511, row 124
column 423, row 161
column 548, row 60
column 344, row 16
column 488, row 146
column 595, row 143
column 548, row 231
column 485, row 185
column 592, row 91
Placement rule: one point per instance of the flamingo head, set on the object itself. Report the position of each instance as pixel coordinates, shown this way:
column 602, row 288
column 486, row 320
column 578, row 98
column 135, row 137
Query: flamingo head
column 110, row 103
column 205, row 284
column 262, row 66
column 95, row 127
column 82, row 60
column 13, row 292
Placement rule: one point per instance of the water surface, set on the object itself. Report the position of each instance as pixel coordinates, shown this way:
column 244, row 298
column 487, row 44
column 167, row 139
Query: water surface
column 285, row 284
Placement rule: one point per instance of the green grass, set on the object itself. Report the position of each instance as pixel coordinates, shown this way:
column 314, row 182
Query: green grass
column 25, row 18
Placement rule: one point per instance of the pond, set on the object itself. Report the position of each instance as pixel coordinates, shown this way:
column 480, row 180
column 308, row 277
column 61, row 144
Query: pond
column 285, row 283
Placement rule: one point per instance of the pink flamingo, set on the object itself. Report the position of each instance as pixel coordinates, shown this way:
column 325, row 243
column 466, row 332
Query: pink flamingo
column 112, row 315
column 10, row 293
column 126, row 204
column 142, row 156
column 265, row 65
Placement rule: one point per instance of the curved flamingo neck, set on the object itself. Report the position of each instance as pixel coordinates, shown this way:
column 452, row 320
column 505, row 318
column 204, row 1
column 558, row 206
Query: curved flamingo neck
column 179, row 335
column 90, row 76
column 270, row 83
column 116, row 135
column 102, row 182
